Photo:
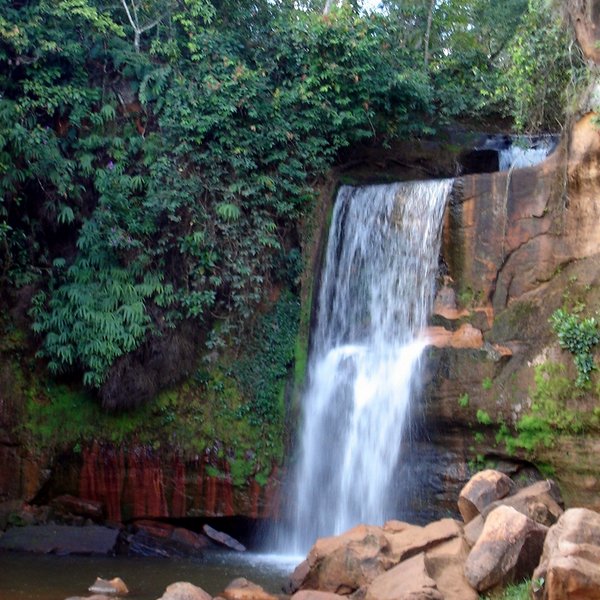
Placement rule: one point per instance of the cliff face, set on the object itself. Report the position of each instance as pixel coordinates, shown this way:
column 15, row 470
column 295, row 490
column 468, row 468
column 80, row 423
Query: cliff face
column 517, row 245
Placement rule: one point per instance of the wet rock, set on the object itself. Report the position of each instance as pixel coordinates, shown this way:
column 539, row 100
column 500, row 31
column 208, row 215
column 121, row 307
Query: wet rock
column 407, row 581
column 445, row 565
column 152, row 538
column 182, row 590
column 70, row 505
column 242, row 589
column 296, row 578
column 482, row 489
column 345, row 563
column 61, row 539
column 569, row 563
column 115, row 586
column 508, row 549
column 92, row 597
column 223, row 539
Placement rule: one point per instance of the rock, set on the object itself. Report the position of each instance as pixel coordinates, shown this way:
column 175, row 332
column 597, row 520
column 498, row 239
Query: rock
column 316, row 595
column 92, row 597
column 67, row 504
column 482, row 489
column 242, row 589
column 569, row 563
column 413, row 539
column 342, row 564
column 152, row 538
column 445, row 565
column 508, row 549
column 540, row 501
column 407, row 581
column 473, row 529
column 61, row 539
column 223, row 539
column 114, row 586
column 182, row 590
column 296, row 578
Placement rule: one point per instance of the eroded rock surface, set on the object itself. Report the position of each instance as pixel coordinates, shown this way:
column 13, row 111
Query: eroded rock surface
column 569, row 563
column 507, row 551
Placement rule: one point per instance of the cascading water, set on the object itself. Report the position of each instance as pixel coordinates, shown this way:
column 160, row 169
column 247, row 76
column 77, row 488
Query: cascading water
column 522, row 153
column 375, row 297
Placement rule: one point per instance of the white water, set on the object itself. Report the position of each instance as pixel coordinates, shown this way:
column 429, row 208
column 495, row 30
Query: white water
column 518, row 155
column 375, row 297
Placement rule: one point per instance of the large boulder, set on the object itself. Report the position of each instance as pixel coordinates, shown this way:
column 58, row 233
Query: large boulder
column 345, row 563
column 569, row 564
column 407, row 581
column 61, row 539
column 482, row 489
column 408, row 540
column 540, row 501
column 183, row 590
column 508, row 549
column 316, row 595
column 445, row 564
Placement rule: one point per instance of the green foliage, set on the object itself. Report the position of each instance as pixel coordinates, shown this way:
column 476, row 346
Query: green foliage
column 269, row 355
column 463, row 400
column 578, row 336
column 544, row 64
column 514, row 591
column 483, row 417
column 487, row 383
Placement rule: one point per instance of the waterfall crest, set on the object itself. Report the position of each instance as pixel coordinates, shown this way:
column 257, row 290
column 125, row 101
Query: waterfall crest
column 376, row 292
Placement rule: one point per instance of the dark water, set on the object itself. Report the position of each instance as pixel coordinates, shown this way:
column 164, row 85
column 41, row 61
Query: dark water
column 34, row 577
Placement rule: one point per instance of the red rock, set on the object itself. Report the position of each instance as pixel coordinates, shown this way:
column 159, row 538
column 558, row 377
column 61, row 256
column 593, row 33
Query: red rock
column 413, row 539
column 507, row 551
column 569, row 564
column 316, row 595
column 114, row 586
column 242, row 589
column 183, row 590
column 343, row 564
column 407, row 581
column 482, row 489
column 66, row 503
column 445, row 565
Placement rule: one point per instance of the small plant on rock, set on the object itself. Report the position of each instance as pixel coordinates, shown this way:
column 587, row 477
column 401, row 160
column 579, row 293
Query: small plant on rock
column 578, row 336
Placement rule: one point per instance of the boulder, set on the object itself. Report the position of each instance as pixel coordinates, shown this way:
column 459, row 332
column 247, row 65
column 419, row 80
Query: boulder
column 482, row 489
column 223, row 539
column 445, row 565
column 114, row 586
column 407, row 581
column 71, row 505
column 242, row 589
column 92, row 597
column 296, row 578
column 343, row 564
column 152, row 538
column 508, row 549
column 316, row 595
column 410, row 540
column 569, row 563
column 182, row 590
column 61, row 539
column 540, row 501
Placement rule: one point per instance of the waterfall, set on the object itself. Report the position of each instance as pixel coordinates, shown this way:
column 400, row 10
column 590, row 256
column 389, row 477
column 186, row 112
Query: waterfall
column 375, row 298
column 525, row 153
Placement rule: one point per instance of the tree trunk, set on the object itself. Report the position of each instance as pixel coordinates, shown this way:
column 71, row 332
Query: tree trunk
column 328, row 6
column 428, row 32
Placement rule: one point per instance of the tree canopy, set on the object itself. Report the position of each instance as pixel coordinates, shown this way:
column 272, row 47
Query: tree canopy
column 156, row 155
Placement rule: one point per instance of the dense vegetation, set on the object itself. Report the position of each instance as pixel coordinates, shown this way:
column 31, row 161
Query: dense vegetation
column 157, row 157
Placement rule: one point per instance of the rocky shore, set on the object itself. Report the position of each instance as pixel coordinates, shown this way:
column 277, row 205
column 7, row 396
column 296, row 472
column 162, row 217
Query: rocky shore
column 506, row 534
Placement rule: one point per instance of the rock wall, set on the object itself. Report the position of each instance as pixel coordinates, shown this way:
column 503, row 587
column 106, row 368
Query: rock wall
column 517, row 246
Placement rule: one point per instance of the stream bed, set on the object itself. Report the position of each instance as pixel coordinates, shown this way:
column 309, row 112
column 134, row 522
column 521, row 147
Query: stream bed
column 50, row 577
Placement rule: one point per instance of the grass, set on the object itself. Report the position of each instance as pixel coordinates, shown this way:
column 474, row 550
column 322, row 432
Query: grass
column 517, row 591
